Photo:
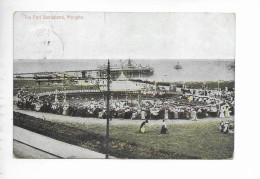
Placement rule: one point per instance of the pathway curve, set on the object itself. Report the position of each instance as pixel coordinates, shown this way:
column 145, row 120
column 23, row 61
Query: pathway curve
column 61, row 118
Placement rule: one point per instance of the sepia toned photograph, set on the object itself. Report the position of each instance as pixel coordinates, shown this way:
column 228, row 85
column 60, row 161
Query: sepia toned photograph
column 104, row 85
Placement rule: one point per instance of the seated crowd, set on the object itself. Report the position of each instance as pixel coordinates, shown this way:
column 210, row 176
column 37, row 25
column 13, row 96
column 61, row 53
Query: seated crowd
column 183, row 108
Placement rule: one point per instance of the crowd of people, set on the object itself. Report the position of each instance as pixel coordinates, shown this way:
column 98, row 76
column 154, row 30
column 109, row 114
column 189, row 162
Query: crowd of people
column 190, row 107
column 226, row 127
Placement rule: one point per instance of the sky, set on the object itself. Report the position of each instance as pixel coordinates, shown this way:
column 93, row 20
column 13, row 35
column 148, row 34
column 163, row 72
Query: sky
column 204, row 43
column 123, row 35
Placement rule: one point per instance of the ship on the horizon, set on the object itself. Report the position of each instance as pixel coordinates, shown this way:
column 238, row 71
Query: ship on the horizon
column 178, row 66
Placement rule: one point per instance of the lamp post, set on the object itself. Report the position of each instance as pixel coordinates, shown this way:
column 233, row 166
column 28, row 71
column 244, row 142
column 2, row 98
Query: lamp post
column 108, row 110
column 39, row 86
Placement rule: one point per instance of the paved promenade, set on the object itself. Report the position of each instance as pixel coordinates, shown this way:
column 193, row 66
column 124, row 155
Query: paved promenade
column 51, row 146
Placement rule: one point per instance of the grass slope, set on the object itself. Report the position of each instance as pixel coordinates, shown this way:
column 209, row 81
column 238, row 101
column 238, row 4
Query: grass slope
column 198, row 139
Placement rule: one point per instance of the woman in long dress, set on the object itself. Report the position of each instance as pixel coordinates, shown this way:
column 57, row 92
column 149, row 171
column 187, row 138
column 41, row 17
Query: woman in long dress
column 227, row 113
column 222, row 112
column 142, row 126
column 176, row 116
column 164, row 129
column 194, row 115
column 143, row 115
column 166, row 115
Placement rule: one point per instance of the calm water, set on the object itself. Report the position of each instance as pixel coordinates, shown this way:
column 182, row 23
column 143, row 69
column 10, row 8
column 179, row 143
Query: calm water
column 192, row 70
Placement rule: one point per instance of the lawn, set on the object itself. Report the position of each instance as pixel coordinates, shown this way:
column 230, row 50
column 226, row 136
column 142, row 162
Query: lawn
column 32, row 86
column 198, row 139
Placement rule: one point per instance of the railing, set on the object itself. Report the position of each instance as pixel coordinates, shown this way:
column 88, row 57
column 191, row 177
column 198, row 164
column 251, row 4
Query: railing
column 66, row 92
column 99, row 91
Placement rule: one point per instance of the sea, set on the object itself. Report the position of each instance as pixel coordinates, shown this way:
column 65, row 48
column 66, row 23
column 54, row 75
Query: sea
column 164, row 69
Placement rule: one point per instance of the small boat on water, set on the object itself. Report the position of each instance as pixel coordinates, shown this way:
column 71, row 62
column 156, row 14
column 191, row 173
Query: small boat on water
column 178, row 66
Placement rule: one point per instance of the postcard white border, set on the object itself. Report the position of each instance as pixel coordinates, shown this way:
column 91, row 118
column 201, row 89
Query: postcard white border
column 247, row 147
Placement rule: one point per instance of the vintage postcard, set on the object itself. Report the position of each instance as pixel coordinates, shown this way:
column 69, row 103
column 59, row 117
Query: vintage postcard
column 124, row 85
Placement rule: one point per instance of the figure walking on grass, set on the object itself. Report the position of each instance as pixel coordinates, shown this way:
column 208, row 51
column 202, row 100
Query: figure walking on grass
column 142, row 126
column 164, row 129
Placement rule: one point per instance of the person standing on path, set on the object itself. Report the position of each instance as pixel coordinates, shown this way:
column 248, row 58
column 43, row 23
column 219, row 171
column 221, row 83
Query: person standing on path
column 166, row 114
column 222, row 112
column 227, row 113
column 143, row 115
column 194, row 115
